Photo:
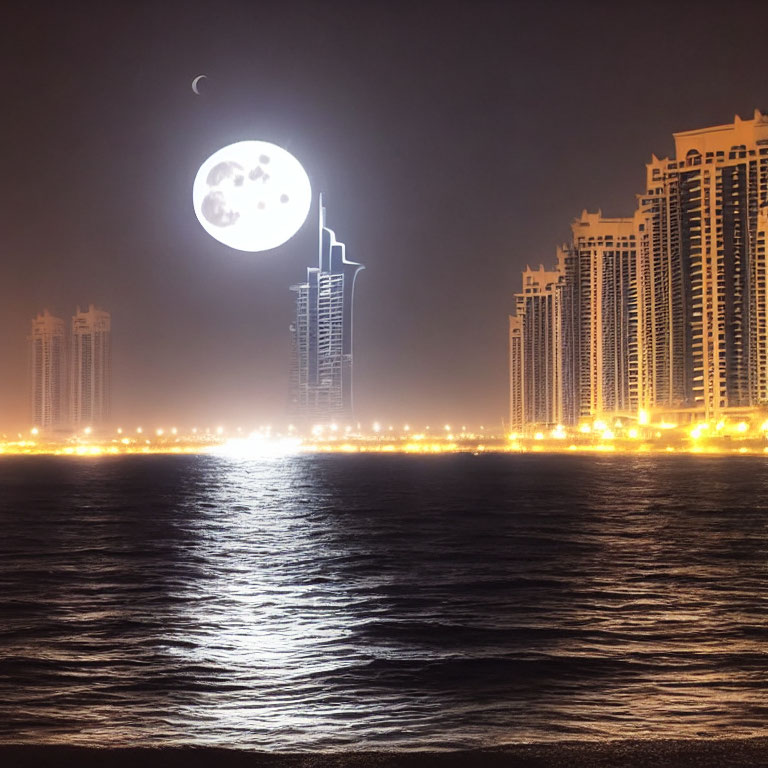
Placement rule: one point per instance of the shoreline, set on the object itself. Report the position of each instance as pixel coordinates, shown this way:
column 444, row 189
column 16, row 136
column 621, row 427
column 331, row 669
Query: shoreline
column 662, row 753
column 530, row 448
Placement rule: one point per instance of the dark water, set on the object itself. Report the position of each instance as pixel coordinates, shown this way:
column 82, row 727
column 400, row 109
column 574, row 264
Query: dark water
column 382, row 601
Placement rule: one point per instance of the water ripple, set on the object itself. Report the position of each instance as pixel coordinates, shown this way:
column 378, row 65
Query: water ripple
column 335, row 602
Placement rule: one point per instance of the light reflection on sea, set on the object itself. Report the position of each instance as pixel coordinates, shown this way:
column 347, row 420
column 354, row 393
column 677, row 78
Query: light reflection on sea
column 327, row 602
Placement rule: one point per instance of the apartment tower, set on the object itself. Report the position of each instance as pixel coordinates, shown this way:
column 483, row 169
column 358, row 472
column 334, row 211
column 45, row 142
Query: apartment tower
column 536, row 350
column 600, row 273
column 48, row 372
column 90, row 371
column 666, row 310
column 703, row 279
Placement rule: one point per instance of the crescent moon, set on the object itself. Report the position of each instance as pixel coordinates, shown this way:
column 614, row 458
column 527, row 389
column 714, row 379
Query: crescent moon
column 196, row 81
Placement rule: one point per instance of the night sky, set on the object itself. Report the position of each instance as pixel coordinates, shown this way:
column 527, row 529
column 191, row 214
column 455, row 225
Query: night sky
column 453, row 142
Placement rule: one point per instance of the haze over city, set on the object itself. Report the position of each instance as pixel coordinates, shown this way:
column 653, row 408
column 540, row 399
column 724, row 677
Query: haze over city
column 445, row 173
column 384, row 384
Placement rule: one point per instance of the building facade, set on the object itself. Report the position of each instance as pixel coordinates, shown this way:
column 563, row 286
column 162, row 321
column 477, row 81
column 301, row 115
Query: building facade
column 536, row 351
column 516, row 418
column 602, row 288
column 322, row 339
column 48, row 372
column 90, row 369
column 704, row 210
column 668, row 310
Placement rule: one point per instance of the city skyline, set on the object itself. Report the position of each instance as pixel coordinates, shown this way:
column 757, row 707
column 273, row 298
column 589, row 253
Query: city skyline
column 448, row 171
column 498, row 500
column 662, row 311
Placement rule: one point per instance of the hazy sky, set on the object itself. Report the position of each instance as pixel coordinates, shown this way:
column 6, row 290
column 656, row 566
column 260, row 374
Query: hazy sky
column 454, row 143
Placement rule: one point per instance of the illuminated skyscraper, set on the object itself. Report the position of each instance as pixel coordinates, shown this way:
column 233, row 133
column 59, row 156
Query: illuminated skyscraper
column 602, row 286
column 536, row 349
column 48, row 371
column 90, row 367
column 667, row 310
column 516, row 419
column 705, row 271
column 322, row 333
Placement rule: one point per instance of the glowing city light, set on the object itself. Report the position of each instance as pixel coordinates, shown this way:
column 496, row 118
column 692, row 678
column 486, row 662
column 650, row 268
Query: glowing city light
column 695, row 436
column 256, row 446
column 251, row 195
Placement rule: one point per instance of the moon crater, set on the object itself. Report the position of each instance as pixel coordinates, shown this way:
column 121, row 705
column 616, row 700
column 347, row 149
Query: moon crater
column 242, row 205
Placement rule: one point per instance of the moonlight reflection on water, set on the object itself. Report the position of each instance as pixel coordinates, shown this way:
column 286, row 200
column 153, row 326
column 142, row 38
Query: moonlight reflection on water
column 364, row 601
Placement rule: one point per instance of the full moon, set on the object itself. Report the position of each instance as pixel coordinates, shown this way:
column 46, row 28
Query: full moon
column 251, row 196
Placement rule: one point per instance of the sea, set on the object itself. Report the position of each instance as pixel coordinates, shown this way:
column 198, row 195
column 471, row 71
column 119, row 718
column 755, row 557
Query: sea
column 373, row 601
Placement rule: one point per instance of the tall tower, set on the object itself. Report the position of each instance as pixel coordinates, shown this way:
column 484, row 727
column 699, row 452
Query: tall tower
column 516, row 419
column 90, row 367
column 667, row 310
column 536, row 351
column 48, row 373
column 602, row 294
column 706, row 268
column 322, row 333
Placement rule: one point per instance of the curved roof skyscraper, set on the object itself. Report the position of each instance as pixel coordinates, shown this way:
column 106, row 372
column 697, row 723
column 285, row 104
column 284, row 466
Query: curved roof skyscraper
column 322, row 333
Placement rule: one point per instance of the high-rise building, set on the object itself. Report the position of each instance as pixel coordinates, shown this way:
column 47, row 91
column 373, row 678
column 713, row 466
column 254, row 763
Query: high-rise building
column 48, row 371
column 322, row 333
column 599, row 269
column 516, row 418
column 667, row 310
column 536, row 350
column 90, row 370
column 705, row 268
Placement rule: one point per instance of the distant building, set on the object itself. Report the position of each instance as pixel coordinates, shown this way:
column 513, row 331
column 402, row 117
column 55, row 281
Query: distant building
column 90, row 370
column 48, row 372
column 321, row 386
